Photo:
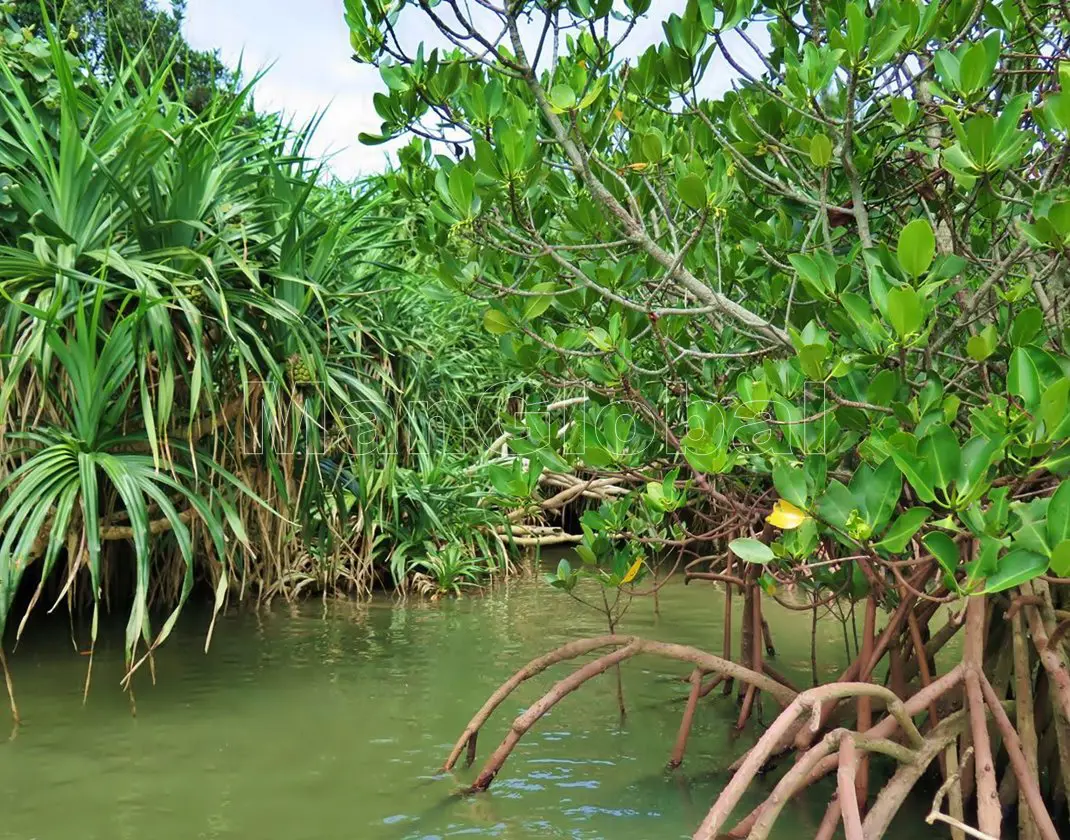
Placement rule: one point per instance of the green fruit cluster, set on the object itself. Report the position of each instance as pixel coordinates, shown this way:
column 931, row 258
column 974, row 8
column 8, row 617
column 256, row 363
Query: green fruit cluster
column 197, row 296
column 298, row 371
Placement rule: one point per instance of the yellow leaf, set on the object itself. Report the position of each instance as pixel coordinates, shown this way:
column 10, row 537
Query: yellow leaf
column 633, row 571
column 619, row 114
column 785, row 515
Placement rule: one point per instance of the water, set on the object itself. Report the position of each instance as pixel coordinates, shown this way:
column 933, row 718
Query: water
column 329, row 723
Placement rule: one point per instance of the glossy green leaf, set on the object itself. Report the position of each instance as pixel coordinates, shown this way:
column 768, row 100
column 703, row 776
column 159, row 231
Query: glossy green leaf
column 790, row 483
column 1023, row 379
column 751, row 550
column 562, row 97
column 916, row 248
column 692, row 191
column 904, row 310
column 944, row 549
column 1015, row 568
column 820, row 150
column 1058, row 515
column 903, row 529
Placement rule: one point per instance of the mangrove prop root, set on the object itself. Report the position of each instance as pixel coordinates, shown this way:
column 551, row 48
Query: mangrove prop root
column 959, row 829
column 677, row 757
column 827, row 829
column 865, row 709
column 822, row 763
column 628, row 646
column 809, row 702
column 954, row 790
column 891, row 797
column 533, row 668
column 1028, row 784
column 767, row 636
column 1027, row 732
column 847, row 782
column 989, row 815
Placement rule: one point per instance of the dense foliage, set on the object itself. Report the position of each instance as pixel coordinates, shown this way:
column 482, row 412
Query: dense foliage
column 215, row 366
column 834, row 295
column 107, row 34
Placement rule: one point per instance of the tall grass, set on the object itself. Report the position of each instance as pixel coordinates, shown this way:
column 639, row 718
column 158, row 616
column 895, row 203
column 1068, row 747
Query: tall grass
column 215, row 369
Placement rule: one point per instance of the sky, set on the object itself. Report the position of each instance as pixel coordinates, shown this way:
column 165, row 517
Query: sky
column 303, row 47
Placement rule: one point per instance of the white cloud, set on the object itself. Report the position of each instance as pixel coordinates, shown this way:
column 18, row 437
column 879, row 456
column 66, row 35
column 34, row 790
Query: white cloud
column 303, row 49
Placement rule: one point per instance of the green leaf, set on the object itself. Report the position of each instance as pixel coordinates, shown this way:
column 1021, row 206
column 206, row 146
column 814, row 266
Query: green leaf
column 692, row 191
column 562, row 97
column 881, row 489
column 1060, row 559
column 497, row 322
column 1026, row 326
column 883, row 387
column 943, row 548
column 904, row 310
column 983, row 345
column 947, row 68
column 973, row 69
column 751, row 550
column 904, row 450
column 942, row 455
column 790, row 483
column 536, row 306
column 837, row 504
column 653, row 147
column 1058, row 524
column 820, row 150
column 1023, row 379
column 917, row 247
column 1053, row 408
column 898, row 536
column 1015, row 568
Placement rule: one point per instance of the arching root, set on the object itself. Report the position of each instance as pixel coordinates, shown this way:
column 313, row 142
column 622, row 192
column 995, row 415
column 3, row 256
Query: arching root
column 627, row 647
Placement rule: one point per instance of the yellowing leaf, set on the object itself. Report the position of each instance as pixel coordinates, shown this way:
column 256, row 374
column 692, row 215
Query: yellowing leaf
column 635, row 167
column 618, row 113
column 785, row 515
column 633, row 571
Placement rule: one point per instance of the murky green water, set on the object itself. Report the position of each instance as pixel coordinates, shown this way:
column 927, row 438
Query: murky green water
column 316, row 724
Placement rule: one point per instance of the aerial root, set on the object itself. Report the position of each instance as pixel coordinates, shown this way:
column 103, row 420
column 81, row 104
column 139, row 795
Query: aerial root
column 626, row 648
column 963, row 733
